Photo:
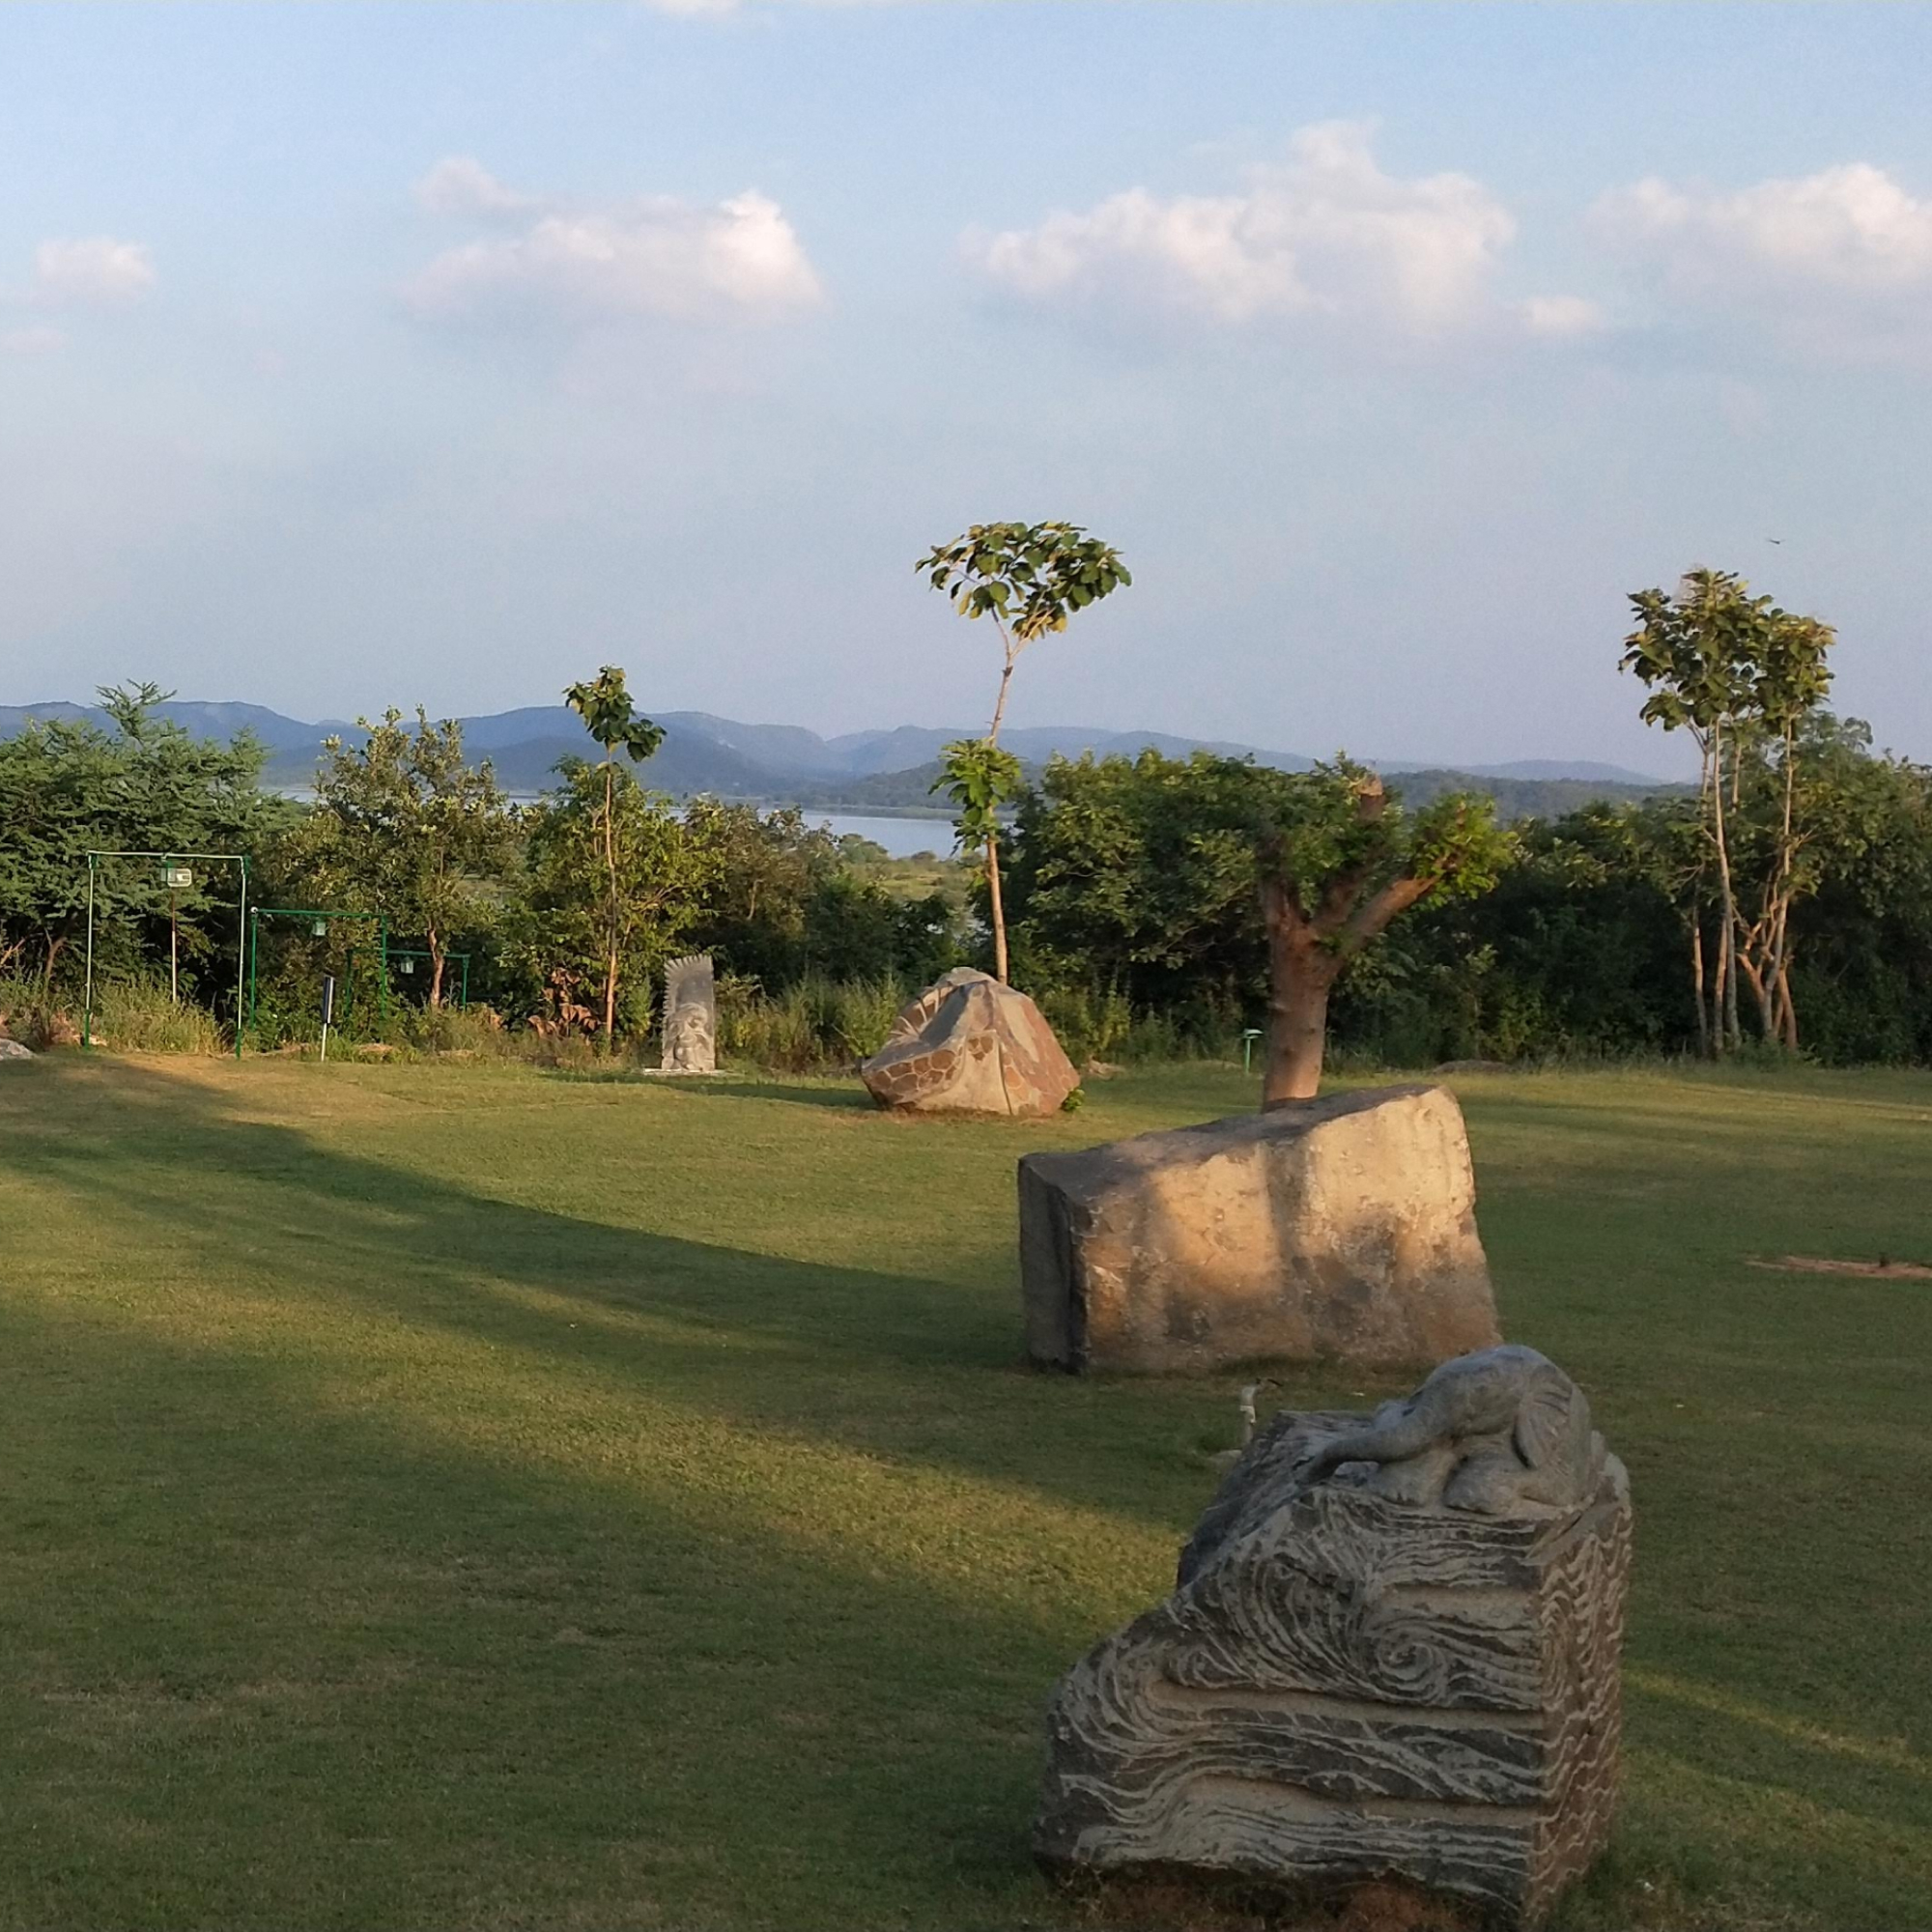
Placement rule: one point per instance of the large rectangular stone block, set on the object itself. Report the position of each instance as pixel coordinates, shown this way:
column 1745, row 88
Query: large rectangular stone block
column 1342, row 1229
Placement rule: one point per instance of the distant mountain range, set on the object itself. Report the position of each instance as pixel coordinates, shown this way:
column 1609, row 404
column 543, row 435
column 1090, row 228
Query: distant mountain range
column 785, row 764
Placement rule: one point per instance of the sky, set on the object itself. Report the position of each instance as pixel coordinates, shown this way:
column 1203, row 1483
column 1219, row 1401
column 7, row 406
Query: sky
column 360, row 356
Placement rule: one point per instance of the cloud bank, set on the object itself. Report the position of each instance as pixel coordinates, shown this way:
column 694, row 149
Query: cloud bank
column 1328, row 234
column 650, row 255
column 1839, row 261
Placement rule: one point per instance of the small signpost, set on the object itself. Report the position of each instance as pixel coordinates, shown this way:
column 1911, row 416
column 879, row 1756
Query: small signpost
column 327, row 1011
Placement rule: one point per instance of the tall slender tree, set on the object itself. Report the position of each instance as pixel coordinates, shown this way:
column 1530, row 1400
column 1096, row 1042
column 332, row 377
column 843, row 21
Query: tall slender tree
column 604, row 706
column 1028, row 578
column 1741, row 675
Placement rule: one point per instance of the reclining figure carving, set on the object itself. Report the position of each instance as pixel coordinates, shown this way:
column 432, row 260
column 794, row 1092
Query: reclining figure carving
column 1485, row 1432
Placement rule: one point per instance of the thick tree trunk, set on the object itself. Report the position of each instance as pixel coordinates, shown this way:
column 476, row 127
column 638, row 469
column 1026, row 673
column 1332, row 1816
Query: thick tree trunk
column 1301, row 970
column 1297, row 1022
column 996, row 907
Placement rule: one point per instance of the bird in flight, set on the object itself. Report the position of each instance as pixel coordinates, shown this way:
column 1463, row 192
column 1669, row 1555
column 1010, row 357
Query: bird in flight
column 1775, row 540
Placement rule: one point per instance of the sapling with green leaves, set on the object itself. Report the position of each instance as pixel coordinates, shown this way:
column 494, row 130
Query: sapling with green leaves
column 608, row 716
column 1029, row 579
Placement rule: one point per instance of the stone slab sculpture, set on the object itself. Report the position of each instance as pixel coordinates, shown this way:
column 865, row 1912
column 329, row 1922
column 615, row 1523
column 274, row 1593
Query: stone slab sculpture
column 690, row 1016
column 1335, row 1230
column 1391, row 1656
column 970, row 1044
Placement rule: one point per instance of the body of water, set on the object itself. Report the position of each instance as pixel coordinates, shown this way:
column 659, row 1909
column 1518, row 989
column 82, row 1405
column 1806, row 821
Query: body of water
column 903, row 837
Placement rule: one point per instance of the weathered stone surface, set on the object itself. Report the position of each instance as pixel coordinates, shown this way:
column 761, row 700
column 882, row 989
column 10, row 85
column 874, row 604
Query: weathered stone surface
column 1347, row 1688
column 12, row 1049
column 690, row 1016
column 1342, row 1229
column 970, row 1046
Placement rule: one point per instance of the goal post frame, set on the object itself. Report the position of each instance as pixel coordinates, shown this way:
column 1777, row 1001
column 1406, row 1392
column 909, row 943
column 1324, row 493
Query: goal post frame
column 95, row 854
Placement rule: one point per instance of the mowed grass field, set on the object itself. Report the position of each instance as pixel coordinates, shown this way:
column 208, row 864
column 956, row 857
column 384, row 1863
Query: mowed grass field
column 461, row 1496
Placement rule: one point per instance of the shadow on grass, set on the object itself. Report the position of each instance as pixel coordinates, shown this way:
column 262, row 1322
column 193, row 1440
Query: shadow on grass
column 272, row 1660
column 885, row 1364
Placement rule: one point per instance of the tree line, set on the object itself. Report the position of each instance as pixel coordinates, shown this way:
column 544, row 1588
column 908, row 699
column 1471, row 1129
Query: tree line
column 565, row 908
column 1783, row 904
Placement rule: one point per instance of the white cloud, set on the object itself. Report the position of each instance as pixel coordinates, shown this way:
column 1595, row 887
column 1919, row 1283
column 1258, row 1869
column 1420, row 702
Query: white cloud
column 649, row 256
column 31, row 341
column 1563, row 316
column 1850, row 227
column 461, row 185
column 93, row 269
column 1839, row 261
column 1327, row 234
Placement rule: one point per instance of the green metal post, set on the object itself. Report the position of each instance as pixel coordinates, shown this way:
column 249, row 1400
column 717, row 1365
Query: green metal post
column 87, row 1002
column 254, row 954
column 464, row 993
column 241, row 949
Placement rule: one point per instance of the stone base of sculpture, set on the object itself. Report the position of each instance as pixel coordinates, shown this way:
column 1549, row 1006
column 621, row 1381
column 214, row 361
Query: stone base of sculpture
column 1348, row 1687
column 1341, row 1230
column 970, row 1044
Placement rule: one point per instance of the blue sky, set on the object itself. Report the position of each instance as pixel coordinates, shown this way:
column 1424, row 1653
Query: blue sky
column 357, row 355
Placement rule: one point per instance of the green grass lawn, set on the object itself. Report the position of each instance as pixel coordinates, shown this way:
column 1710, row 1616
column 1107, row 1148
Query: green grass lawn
column 463, row 1496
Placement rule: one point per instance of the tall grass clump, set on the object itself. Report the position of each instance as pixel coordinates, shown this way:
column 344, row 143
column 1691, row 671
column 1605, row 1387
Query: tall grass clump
column 140, row 1016
column 817, row 1025
column 1101, row 1025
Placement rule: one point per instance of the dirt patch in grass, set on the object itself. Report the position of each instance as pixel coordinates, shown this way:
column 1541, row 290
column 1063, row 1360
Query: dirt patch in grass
column 1884, row 1268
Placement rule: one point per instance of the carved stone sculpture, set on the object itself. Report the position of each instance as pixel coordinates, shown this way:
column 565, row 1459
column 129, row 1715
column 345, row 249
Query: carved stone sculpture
column 1391, row 1656
column 690, row 1016
column 1342, row 1229
column 1483, row 1432
column 970, row 1044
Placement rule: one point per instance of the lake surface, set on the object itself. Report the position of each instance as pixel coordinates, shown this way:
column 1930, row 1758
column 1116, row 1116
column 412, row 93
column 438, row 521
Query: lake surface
column 903, row 837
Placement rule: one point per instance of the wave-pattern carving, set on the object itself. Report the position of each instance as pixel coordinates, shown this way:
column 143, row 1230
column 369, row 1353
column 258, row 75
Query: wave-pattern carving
column 1348, row 1687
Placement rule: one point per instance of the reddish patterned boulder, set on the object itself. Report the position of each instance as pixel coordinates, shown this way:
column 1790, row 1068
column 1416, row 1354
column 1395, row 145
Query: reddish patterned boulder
column 970, row 1046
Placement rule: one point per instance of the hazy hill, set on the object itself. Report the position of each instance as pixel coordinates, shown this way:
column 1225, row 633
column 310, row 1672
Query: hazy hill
column 884, row 770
